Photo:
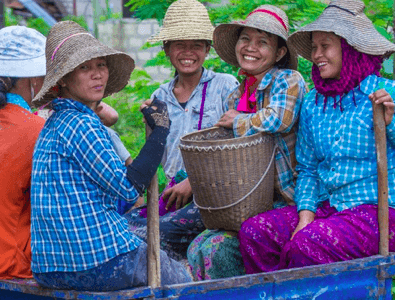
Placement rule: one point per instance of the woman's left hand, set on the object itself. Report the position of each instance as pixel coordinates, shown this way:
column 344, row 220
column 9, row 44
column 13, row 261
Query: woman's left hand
column 382, row 96
column 227, row 119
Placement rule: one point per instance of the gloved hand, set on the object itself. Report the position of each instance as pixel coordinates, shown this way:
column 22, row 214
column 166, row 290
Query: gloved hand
column 156, row 114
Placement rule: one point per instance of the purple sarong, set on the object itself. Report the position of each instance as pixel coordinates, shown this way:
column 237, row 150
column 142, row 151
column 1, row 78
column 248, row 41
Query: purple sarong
column 333, row 236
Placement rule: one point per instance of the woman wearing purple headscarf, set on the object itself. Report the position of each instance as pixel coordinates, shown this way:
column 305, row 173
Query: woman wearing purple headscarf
column 335, row 151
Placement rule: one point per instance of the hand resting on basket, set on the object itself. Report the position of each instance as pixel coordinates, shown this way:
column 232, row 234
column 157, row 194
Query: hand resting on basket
column 227, row 119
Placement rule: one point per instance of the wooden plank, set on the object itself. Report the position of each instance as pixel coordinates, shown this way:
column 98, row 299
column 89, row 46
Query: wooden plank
column 382, row 174
column 153, row 242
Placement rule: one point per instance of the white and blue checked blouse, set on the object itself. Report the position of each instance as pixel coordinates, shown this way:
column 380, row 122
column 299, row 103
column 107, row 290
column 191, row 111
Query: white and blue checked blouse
column 77, row 179
column 185, row 120
column 339, row 148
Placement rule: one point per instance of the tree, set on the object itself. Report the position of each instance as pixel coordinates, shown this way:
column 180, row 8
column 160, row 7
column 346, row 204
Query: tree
column 300, row 13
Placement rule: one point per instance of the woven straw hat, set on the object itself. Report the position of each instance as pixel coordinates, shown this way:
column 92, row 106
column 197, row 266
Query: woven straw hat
column 346, row 19
column 268, row 18
column 185, row 20
column 69, row 45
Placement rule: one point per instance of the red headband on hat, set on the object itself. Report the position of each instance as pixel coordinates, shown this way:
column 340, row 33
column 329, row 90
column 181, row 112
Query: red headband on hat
column 270, row 13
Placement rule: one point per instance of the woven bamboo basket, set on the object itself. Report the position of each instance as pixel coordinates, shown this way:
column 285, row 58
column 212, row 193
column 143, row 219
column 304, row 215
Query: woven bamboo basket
column 232, row 178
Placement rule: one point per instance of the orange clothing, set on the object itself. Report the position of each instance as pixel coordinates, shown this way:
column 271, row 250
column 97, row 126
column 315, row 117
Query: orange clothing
column 19, row 130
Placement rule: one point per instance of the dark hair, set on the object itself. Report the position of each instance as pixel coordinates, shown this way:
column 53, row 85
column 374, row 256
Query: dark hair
column 6, row 84
column 285, row 61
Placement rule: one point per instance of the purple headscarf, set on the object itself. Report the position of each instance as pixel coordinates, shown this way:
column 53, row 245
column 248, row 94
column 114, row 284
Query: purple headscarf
column 356, row 66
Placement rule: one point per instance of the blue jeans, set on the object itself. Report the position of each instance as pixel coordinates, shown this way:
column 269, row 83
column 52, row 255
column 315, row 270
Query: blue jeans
column 125, row 271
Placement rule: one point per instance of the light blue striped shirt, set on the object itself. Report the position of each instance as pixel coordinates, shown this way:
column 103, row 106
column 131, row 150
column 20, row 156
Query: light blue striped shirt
column 185, row 120
column 339, row 148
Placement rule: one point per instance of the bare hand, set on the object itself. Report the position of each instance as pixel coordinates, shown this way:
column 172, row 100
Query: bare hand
column 382, row 96
column 305, row 218
column 180, row 193
column 107, row 114
column 227, row 119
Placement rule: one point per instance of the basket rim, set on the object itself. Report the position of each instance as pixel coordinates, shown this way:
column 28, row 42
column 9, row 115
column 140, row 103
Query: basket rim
column 234, row 142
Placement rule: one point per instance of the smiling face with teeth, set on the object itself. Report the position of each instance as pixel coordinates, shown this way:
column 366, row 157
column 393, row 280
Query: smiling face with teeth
column 187, row 56
column 257, row 51
column 327, row 54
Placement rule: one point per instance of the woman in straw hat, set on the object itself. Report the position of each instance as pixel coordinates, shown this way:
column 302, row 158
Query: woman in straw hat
column 196, row 99
column 79, row 241
column 22, row 60
column 335, row 149
column 268, row 100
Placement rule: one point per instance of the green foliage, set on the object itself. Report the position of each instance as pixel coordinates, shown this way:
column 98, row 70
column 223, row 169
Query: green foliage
column 38, row 24
column 300, row 13
column 78, row 19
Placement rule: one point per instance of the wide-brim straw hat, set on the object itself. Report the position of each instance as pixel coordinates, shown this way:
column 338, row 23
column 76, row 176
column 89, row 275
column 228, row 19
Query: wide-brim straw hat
column 69, row 45
column 346, row 19
column 185, row 20
column 268, row 18
column 22, row 52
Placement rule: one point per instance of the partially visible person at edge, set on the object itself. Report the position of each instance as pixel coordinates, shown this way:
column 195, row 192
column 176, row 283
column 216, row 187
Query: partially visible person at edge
column 196, row 99
column 79, row 240
column 22, row 61
column 335, row 148
column 268, row 100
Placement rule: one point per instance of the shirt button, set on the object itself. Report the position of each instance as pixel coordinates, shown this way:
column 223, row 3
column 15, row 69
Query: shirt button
column 330, row 192
column 337, row 138
column 333, row 169
column 186, row 109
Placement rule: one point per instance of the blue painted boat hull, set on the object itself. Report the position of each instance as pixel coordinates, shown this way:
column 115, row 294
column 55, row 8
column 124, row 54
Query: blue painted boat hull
column 368, row 278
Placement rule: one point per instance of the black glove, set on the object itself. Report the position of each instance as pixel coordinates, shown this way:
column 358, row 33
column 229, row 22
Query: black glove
column 144, row 166
column 158, row 117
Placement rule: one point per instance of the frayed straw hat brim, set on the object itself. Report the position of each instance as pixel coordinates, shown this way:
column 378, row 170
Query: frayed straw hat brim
column 185, row 20
column 346, row 19
column 74, row 51
column 226, row 37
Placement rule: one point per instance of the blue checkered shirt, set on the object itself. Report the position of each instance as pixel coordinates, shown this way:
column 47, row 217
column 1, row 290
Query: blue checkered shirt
column 77, row 179
column 339, row 148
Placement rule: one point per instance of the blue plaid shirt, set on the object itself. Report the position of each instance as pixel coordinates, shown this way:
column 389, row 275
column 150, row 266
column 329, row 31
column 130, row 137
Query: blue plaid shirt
column 339, row 148
column 77, row 179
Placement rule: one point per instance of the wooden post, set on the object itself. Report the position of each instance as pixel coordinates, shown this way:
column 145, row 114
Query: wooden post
column 382, row 174
column 153, row 242
column 75, row 7
column 95, row 8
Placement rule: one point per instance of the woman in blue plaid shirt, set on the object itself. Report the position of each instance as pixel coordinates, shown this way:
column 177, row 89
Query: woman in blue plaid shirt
column 79, row 241
column 335, row 151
